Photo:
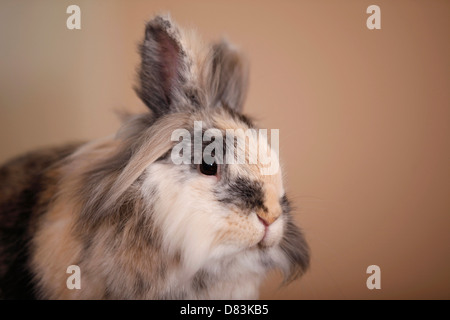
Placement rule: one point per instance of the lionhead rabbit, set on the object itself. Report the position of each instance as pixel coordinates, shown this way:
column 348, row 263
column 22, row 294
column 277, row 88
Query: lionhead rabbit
column 136, row 224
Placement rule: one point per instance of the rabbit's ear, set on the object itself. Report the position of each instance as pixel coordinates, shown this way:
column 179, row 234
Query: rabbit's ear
column 163, row 64
column 228, row 76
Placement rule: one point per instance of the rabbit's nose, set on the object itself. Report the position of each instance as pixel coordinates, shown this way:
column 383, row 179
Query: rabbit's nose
column 264, row 222
column 268, row 218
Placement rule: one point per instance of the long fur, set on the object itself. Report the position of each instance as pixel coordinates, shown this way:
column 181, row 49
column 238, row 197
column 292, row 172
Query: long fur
column 137, row 225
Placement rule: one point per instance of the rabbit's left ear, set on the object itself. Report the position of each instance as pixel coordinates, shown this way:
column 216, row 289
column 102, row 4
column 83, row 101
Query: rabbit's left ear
column 227, row 79
column 163, row 66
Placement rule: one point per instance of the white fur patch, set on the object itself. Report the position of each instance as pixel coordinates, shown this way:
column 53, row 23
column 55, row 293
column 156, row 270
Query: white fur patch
column 207, row 235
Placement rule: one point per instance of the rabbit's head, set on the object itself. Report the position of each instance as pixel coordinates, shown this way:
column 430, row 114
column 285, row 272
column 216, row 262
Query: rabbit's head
column 200, row 214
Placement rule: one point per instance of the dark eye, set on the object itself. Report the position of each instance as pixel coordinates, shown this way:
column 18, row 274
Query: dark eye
column 208, row 169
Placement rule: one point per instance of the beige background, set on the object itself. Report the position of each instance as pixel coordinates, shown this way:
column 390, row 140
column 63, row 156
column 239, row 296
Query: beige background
column 363, row 117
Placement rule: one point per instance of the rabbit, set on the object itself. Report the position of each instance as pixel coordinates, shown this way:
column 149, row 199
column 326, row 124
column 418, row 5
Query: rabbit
column 137, row 225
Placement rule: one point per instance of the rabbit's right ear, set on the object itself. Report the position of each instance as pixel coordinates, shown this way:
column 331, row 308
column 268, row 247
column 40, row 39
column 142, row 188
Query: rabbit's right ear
column 163, row 66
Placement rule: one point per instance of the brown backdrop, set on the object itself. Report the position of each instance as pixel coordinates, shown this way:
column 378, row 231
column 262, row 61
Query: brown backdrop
column 363, row 117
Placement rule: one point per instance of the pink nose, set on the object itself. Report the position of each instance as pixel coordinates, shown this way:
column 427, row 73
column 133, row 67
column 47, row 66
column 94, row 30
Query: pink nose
column 265, row 222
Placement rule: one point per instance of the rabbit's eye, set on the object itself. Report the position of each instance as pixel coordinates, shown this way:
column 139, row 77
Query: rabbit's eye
column 208, row 169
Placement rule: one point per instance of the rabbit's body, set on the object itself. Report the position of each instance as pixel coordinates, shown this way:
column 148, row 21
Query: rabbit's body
column 137, row 225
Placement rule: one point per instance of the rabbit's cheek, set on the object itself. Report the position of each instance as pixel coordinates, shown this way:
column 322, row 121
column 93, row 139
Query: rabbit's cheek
column 241, row 231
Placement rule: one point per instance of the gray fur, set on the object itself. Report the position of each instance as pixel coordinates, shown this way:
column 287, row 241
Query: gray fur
column 228, row 78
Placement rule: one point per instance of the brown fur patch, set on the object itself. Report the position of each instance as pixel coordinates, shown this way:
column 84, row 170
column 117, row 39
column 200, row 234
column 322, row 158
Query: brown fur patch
column 27, row 187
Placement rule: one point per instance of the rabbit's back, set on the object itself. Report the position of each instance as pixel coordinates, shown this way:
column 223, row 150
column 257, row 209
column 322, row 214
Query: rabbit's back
column 27, row 184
